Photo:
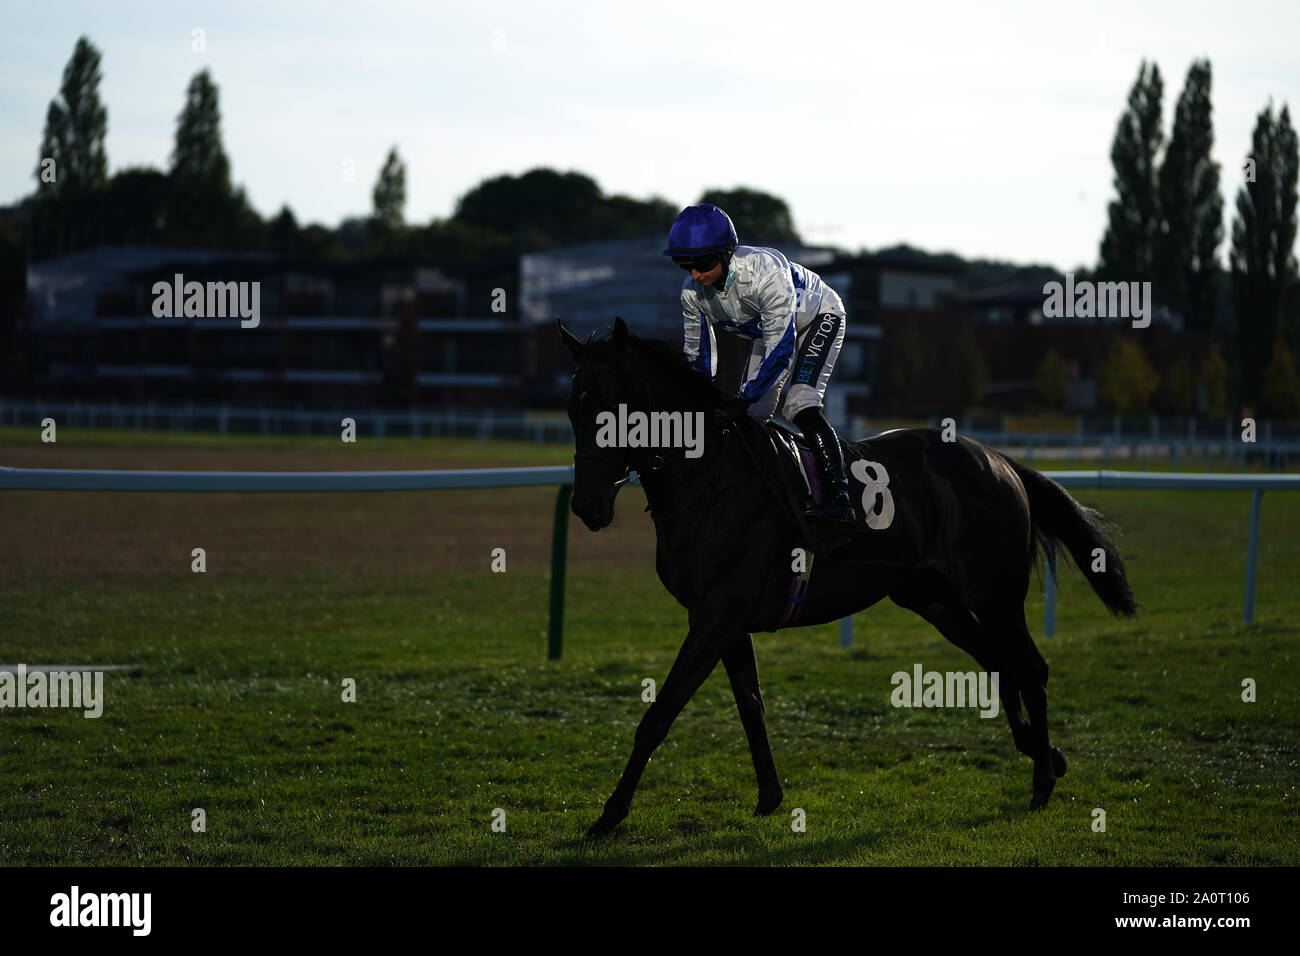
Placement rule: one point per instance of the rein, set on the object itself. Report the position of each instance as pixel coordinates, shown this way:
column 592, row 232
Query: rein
column 658, row 463
column 703, row 486
column 799, row 520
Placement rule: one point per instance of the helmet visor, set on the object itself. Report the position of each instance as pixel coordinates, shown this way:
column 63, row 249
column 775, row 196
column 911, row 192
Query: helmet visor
column 698, row 263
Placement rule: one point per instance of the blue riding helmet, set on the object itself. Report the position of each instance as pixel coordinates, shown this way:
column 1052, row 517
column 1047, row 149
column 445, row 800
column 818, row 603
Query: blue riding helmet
column 699, row 230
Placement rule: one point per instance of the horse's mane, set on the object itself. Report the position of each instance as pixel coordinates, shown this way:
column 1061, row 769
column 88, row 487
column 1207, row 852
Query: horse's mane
column 663, row 363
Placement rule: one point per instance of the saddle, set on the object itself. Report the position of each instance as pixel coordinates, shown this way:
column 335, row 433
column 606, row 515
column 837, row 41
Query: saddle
column 788, row 468
column 790, row 442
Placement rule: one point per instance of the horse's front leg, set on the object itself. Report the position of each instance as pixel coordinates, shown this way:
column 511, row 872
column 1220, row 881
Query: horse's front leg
column 742, row 668
column 709, row 637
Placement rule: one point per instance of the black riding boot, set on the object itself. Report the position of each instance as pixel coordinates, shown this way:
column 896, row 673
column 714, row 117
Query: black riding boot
column 836, row 507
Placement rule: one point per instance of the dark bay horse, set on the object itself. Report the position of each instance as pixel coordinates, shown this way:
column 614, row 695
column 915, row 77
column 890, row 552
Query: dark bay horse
column 949, row 530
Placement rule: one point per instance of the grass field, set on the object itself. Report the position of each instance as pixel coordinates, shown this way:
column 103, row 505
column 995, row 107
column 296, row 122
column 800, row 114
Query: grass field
column 238, row 707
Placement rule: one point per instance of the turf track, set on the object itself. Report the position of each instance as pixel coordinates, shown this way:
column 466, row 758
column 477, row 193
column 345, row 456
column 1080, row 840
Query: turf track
column 238, row 709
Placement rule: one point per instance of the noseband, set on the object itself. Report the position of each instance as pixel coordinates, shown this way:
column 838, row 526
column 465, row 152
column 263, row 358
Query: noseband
column 655, row 462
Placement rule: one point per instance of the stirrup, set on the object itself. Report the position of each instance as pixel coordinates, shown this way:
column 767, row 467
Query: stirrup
column 835, row 511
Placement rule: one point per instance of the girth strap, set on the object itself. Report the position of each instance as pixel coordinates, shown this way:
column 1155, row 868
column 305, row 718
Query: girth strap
column 798, row 591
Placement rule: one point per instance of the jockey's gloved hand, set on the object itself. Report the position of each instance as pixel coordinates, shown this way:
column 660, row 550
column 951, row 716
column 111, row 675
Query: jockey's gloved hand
column 736, row 406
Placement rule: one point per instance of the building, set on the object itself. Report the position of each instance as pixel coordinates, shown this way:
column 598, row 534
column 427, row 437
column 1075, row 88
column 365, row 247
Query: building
column 1015, row 331
column 404, row 333
column 389, row 332
column 886, row 294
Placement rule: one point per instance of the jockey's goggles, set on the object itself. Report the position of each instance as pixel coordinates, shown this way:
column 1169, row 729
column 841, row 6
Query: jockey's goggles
column 698, row 263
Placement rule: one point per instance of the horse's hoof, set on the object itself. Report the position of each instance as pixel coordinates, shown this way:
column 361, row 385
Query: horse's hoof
column 767, row 804
column 1058, row 761
column 601, row 829
column 1044, row 784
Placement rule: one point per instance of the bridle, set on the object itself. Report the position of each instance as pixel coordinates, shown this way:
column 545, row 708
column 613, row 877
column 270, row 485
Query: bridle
column 655, row 462
column 625, row 375
column 628, row 468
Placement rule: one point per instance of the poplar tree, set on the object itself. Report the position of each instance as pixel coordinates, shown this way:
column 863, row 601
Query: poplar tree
column 1263, row 236
column 1191, row 207
column 1128, row 246
column 202, row 207
column 76, row 125
column 390, row 192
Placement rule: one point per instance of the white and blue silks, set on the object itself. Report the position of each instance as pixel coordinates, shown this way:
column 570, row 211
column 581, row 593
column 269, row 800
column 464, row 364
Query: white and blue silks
column 795, row 318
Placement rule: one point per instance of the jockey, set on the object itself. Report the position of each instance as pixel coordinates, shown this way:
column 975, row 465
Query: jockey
column 795, row 320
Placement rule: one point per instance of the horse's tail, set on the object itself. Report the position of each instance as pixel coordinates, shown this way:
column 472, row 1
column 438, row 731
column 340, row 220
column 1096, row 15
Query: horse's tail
column 1057, row 516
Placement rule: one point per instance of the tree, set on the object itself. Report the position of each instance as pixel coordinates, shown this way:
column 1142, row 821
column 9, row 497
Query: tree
column 1128, row 379
column 1214, row 383
column 199, row 157
column 542, row 207
column 284, row 232
column 353, row 235
column 1263, row 236
column 1128, row 246
column 76, row 124
column 390, row 193
column 757, row 215
column 315, row 241
column 622, row 217
column 244, row 228
column 1176, row 391
column 1279, row 395
column 459, row 244
column 1050, row 379
column 13, row 292
column 137, row 200
column 907, row 365
column 1191, row 208
column 972, row 374
column 203, row 207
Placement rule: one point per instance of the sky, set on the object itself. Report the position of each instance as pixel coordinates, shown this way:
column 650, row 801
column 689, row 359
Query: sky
column 978, row 128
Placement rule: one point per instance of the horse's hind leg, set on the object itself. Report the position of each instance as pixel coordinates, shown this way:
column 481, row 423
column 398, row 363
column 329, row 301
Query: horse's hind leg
column 1049, row 761
column 935, row 598
column 742, row 668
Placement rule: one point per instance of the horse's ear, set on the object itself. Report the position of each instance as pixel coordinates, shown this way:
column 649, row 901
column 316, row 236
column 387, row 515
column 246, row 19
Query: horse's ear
column 572, row 344
column 620, row 337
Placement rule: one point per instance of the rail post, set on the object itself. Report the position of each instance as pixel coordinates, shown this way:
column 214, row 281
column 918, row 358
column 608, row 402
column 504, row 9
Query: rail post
column 1252, row 555
column 559, row 548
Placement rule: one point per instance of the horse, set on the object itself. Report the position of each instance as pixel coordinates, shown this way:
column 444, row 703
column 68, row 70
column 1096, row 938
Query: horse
column 950, row 529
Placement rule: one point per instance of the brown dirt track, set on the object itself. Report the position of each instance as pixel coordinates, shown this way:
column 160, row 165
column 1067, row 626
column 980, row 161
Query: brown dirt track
column 69, row 534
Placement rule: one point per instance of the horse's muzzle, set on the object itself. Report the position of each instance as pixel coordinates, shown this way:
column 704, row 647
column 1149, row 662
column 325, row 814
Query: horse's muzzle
column 595, row 511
